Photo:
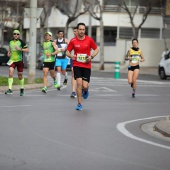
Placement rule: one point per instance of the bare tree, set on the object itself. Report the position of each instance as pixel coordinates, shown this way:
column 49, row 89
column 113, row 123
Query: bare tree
column 96, row 11
column 70, row 9
column 163, row 13
column 132, row 13
column 47, row 8
column 12, row 14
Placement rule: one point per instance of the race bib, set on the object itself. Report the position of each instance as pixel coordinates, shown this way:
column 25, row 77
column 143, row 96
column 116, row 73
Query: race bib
column 47, row 59
column 10, row 62
column 82, row 58
column 135, row 59
column 60, row 53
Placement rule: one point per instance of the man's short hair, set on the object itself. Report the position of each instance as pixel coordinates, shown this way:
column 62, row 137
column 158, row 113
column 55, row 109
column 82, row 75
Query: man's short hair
column 60, row 31
column 81, row 23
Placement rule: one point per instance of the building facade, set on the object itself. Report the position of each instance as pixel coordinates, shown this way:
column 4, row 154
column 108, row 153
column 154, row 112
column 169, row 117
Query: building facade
column 118, row 32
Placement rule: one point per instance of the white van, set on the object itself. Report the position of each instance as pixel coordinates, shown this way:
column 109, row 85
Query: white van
column 164, row 65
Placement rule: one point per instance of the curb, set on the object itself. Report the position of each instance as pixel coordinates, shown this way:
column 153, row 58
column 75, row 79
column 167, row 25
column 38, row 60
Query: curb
column 163, row 126
column 26, row 87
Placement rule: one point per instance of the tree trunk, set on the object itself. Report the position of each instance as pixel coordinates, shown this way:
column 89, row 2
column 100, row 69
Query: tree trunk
column 101, row 45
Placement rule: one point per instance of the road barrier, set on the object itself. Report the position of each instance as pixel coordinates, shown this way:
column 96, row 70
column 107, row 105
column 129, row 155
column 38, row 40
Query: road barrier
column 117, row 70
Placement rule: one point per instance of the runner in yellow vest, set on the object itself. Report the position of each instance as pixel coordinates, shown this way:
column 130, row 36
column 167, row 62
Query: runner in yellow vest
column 134, row 55
column 49, row 52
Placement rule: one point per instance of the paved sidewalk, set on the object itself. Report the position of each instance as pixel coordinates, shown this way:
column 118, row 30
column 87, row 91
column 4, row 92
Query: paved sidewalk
column 27, row 87
column 163, row 126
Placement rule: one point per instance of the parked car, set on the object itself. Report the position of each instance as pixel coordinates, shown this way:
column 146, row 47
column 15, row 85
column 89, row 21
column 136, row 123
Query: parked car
column 3, row 55
column 164, row 65
column 40, row 62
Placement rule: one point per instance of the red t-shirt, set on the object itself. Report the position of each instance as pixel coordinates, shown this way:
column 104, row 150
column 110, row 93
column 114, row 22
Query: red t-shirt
column 81, row 49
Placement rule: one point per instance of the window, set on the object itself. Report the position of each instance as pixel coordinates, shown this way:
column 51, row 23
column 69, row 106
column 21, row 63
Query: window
column 150, row 33
column 93, row 33
column 125, row 33
column 166, row 33
column 110, row 34
column 111, row 2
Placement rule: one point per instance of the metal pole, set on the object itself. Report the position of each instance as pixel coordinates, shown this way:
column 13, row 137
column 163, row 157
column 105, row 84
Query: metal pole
column 32, row 41
column 89, row 28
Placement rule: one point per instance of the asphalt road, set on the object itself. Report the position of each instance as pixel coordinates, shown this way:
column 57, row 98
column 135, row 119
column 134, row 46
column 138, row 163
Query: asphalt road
column 45, row 132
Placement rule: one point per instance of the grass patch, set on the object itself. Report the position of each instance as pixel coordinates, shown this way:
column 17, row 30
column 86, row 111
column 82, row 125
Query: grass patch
column 4, row 81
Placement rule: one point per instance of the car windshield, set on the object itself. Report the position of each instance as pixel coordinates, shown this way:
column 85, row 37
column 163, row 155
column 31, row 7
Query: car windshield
column 2, row 50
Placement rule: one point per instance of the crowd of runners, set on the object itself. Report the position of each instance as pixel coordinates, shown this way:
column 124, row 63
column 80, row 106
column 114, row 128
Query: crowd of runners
column 81, row 50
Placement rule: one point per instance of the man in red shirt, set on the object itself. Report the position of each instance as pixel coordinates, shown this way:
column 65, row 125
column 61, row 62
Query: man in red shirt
column 82, row 45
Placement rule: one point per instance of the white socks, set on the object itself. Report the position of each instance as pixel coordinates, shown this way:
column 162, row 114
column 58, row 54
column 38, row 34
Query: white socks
column 66, row 76
column 58, row 75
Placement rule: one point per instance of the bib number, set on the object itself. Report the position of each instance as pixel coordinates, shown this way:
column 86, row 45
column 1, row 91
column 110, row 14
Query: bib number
column 82, row 58
column 47, row 59
column 9, row 62
column 135, row 59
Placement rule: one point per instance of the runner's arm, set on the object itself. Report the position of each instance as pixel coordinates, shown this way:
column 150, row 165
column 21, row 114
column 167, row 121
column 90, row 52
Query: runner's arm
column 55, row 48
column 95, row 52
column 68, row 54
column 67, row 41
column 142, row 57
column 127, row 56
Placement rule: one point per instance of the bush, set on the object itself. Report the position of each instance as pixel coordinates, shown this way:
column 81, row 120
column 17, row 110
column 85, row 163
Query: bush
column 4, row 81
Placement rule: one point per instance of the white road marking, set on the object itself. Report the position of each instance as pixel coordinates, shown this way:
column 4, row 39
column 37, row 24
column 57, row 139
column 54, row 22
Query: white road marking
column 17, row 106
column 107, row 95
column 148, row 95
column 35, row 95
column 122, row 129
column 103, row 89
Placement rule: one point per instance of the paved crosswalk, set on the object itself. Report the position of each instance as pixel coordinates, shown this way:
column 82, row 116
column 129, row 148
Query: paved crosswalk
column 123, row 82
column 101, row 81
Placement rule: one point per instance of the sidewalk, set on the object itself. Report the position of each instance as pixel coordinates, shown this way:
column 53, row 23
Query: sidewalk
column 27, row 87
column 163, row 126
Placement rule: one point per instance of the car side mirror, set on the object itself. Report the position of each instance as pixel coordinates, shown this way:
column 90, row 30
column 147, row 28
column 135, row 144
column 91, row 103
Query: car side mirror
column 166, row 56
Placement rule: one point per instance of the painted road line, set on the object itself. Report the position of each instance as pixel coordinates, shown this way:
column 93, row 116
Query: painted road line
column 123, row 130
column 17, row 106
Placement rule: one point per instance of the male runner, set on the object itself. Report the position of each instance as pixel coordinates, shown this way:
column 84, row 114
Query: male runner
column 61, row 58
column 82, row 45
column 16, row 49
column 49, row 51
column 73, row 81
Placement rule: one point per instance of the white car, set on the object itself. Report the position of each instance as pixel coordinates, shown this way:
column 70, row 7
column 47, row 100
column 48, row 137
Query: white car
column 164, row 65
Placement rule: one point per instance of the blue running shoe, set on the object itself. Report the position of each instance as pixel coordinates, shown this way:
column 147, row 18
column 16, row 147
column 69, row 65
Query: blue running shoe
column 79, row 107
column 73, row 95
column 85, row 94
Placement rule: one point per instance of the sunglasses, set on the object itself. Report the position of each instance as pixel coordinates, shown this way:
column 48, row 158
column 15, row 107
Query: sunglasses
column 15, row 34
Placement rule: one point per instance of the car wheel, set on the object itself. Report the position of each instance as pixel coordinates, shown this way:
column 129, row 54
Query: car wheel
column 162, row 74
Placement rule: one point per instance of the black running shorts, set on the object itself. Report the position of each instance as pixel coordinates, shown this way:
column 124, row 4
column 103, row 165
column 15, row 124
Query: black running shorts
column 81, row 72
column 49, row 65
column 132, row 68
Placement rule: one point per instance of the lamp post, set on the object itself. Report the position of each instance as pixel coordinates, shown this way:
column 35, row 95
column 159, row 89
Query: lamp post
column 32, row 41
